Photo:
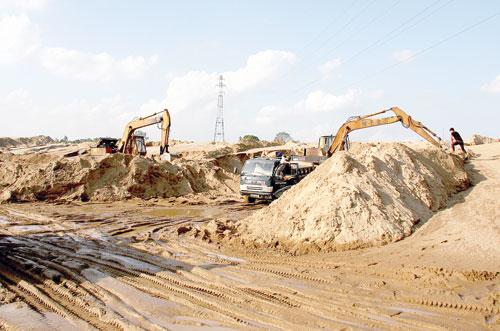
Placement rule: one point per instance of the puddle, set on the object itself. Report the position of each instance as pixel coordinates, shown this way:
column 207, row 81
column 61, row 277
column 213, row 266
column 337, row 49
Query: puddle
column 4, row 220
column 182, row 212
column 130, row 263
column 227, row 258
column 29, row 228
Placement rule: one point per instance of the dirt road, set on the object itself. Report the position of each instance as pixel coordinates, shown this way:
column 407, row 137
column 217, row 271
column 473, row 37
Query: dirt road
column 124, row 266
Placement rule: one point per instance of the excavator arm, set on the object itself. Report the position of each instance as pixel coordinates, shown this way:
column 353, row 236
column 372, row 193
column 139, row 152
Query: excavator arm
column 125, row 143
column 366, row 121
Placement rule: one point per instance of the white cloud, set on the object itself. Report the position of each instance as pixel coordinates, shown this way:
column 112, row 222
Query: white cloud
column 260, row 67
column 152, row 106
column 196, row 90
column 100, row 67
column 193, row 96
column 327, row 68
column 404, row 55
column 309, row 117
column 269, row 114
column 375, row 94
column 493, row 86
column 23, row 4
column 18, row 38
column 319, row 101
column 77, row 118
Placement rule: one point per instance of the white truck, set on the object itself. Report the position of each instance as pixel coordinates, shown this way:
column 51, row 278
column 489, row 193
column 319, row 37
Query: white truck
column 267, row 179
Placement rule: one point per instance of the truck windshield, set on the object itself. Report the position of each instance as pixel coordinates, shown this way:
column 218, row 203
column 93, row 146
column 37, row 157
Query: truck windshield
column 258, row 167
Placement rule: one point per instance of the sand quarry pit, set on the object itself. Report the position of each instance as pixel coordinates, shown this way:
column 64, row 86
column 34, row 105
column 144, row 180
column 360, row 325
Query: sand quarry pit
column 385, row 236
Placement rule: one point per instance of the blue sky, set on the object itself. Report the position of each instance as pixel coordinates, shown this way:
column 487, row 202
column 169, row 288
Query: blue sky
column 84, row 68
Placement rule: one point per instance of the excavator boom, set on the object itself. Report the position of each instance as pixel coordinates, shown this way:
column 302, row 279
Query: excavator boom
column 125, row 144
column 366, row 121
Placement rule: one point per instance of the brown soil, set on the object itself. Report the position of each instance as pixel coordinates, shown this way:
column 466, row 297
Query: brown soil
column 7, row 142
column 46, row 176
column 371, row 195
column 477, row 139
column 140, row 264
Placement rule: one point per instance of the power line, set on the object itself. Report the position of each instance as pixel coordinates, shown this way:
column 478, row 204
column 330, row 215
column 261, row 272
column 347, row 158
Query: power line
column 388, row 36
column 372, row 21
column 336, row 19
column 402, row 25
column 343, row 27
column 331, row 36
column 430, row 47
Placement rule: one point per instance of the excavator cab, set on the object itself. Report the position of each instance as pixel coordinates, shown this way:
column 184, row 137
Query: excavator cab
column 139, row 145
column 324, row 143
column 136, row 145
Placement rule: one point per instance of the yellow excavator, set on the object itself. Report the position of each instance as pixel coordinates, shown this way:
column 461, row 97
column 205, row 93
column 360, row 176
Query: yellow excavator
column 328, row 145
column 133, row 142
column 341, row 139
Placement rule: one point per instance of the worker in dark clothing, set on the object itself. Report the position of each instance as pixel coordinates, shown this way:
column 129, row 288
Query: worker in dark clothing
column 456, row 139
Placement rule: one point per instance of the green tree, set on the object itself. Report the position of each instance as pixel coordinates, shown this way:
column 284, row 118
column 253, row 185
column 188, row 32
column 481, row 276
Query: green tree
column 249, row 138
column 282, row 137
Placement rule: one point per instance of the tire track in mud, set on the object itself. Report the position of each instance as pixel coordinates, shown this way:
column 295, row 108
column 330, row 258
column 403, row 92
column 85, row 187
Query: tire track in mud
column 348, row 297
column 55, row 297
column 181, row 287
column 337, row 295
column 285, row 300
column 149, row 280
column 406, row 276
column 453, row 305
column 146, row 282
column 37, row 296
column 307, row 304
column 432, row 275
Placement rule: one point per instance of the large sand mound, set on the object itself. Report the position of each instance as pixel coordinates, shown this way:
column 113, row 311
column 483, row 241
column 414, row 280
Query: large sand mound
column 8, row 142
column 368, row 196
column 477, row 139
column 113, row 177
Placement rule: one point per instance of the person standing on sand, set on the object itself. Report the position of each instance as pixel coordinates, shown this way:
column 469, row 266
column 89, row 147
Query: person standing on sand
column 456, row 139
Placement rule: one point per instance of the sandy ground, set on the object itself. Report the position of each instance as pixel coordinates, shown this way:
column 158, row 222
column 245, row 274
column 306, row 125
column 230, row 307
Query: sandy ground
column 123, row 265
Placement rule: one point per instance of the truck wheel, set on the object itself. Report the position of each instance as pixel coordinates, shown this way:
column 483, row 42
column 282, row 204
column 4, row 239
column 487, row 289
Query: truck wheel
column 249, row 199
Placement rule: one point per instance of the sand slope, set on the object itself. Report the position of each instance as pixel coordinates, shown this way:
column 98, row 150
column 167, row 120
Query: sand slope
column 359, row 198
column 48, row 176
column 467, row 233
column 477, row 139
column 123, row 266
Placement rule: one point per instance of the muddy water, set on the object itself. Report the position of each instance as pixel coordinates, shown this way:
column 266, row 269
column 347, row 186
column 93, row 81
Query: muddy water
column 189, row 212
column 126, row 270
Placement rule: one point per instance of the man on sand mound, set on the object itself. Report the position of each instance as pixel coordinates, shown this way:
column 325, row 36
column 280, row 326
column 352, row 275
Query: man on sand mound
column 456, row 139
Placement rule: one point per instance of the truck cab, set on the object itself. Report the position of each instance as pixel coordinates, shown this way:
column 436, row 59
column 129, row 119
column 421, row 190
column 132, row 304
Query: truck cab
column 267, row 179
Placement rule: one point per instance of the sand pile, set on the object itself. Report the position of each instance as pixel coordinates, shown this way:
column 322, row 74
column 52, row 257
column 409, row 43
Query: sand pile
column 7, row 142
column 368, row 196
column 47, row 176
column 477, row 139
